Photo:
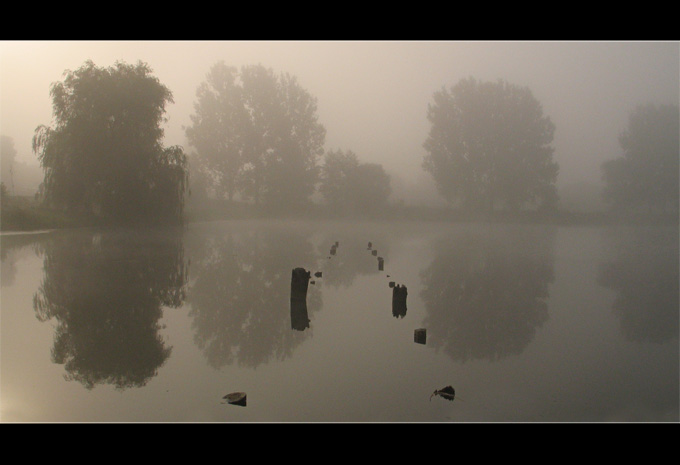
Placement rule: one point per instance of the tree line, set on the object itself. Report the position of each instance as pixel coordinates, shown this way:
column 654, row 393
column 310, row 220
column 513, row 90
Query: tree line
column 255, row 137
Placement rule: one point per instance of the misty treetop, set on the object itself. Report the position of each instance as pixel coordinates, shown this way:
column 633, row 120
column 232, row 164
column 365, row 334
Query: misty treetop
column 350, row 186
column 490, row 144
column 646, row 175
column 257, row 135
column 7, row 157
column 105, row 154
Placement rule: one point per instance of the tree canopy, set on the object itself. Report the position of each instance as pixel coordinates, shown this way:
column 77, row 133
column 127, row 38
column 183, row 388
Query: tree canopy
column 350, row 186
column 7, row 156
column 646, row 174
column 258, row 135
column 105, row 154
column 489, row 144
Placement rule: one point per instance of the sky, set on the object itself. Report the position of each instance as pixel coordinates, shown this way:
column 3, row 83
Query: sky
column 372, row 96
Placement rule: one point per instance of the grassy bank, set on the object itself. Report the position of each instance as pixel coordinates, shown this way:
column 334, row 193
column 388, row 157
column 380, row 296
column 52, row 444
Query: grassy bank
column 24, row 214
column 223, row 211
column 31, row 218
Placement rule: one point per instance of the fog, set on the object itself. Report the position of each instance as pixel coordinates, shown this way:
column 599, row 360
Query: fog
column 119, row 304
column 373, row 96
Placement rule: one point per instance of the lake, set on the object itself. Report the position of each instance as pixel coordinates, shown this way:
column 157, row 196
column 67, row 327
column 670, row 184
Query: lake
column 527, row 323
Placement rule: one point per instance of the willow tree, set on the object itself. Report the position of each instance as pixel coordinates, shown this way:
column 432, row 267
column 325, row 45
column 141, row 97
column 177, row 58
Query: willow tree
column 105, row 156
column 489, row 145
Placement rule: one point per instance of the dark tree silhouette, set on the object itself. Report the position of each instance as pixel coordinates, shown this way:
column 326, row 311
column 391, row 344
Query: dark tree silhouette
column 258, row 135
column 106, row 292
column 486, row 294
column 646, row 175
column 489, row 144
column 105, row 155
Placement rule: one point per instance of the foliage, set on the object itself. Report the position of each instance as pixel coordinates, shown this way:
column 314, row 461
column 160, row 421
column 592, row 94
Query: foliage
column 350, row 186
column 105, row 153
column 7, row 157
column 646, row 175
column 4, row 194
column 336, row 178
column 218, row 116
column 489, row 142
column 257, row 135
column 372, row 186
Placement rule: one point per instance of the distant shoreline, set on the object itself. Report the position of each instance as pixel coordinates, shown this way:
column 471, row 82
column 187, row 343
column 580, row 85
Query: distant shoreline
column 36, row 220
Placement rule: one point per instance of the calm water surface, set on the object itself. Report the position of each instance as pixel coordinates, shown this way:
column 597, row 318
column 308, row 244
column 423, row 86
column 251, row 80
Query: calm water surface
column 526, row 322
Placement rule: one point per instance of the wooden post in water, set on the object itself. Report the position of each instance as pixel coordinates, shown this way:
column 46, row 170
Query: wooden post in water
column 299, row 284
column 399, row 294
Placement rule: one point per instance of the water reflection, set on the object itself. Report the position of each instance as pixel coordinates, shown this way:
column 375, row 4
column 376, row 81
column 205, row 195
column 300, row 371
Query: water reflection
column 354, row 259
column 240, row 299
column 643, row 270
column 399, row 294
column 106, row 292
column 486, row 292
column 14, row 247
column 299, row 284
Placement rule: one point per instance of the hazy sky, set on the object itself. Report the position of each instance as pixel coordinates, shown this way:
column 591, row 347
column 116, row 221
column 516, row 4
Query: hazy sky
column 373, row 96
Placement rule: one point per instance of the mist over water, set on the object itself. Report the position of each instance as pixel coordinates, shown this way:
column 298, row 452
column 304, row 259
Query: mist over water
column 339, row 231
column 525, row 322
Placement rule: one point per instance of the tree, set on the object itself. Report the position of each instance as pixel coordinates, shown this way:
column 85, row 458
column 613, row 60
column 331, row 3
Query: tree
column 4, row 193
column 350, row 186
column 336, row 179
column 7, row 160
column 372, row 187
column 217, row 125
column 646, row 175
column 489, row 142
column 259, row 134
column 105, row 154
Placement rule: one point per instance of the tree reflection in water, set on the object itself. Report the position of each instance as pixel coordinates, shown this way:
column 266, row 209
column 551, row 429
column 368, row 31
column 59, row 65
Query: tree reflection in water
column 240, row 299
column 12, row 248
column 486, row 292
column 107, row 291
column 643, row 271
column 353, row 258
